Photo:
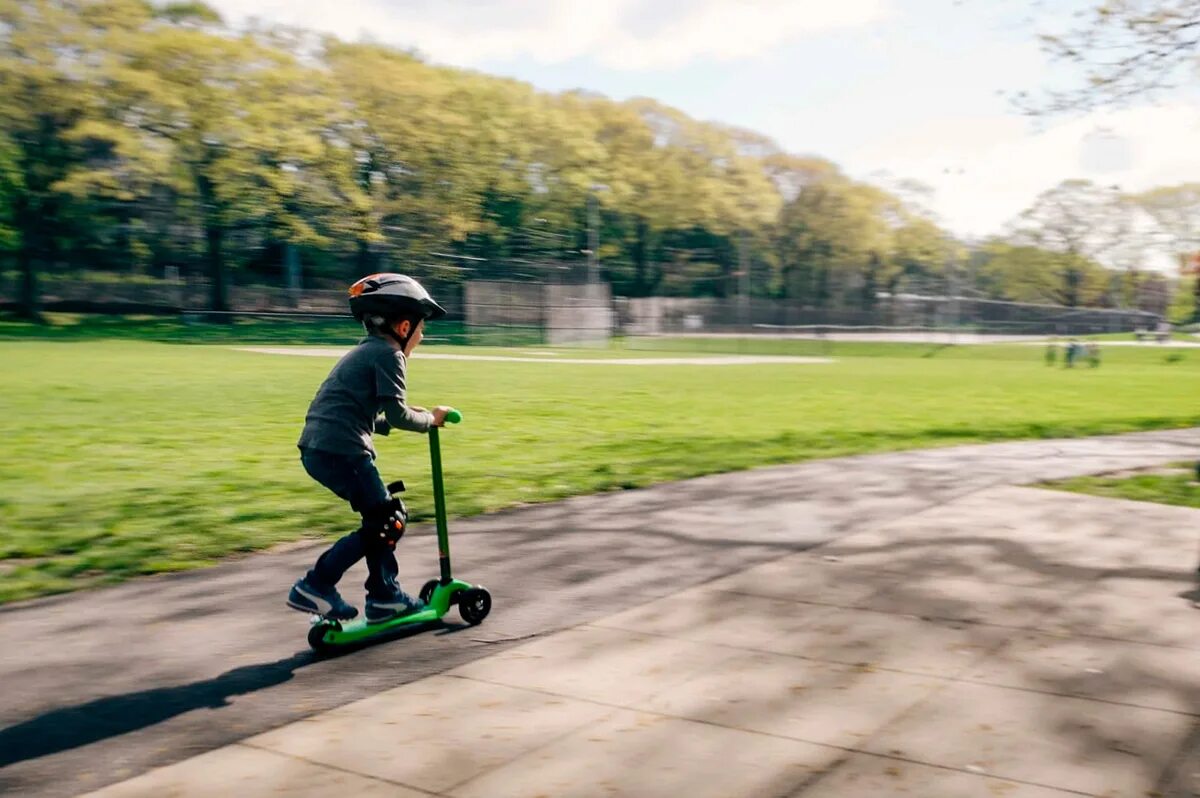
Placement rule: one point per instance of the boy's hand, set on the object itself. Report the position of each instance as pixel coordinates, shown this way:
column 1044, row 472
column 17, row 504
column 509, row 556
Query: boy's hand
column 439, row 415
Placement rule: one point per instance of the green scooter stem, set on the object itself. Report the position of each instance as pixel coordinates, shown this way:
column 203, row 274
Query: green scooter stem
column 439, row 497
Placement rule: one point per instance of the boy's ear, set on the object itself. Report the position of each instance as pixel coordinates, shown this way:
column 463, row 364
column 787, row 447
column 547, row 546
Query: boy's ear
column 403, row 327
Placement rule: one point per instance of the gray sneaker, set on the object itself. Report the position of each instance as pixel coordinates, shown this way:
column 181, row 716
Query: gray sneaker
column 328, row 603
column 398, row 605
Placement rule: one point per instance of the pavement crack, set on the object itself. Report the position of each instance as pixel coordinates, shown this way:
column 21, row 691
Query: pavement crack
column 496, row 640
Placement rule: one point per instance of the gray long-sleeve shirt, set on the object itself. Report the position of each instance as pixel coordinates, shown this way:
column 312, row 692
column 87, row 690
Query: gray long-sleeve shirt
column 363, row 394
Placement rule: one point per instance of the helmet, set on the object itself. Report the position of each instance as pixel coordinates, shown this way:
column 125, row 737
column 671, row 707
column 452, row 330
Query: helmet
column 392, row 296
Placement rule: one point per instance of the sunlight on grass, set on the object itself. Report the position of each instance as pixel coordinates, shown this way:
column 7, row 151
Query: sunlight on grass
column 1176, row 485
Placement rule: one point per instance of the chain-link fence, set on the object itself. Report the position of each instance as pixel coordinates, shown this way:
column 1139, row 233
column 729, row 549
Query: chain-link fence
column 656, row 316
column 519, row 313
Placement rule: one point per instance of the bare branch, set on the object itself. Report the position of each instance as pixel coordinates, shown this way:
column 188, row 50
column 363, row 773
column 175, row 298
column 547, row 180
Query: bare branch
column 1129, row 49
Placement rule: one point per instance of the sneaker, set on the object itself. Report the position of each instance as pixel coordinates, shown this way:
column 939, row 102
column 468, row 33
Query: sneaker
column 327, row 603
column 398, row 605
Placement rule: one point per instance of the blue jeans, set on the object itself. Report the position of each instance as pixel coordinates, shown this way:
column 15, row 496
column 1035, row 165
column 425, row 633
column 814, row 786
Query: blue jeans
column 355, row 479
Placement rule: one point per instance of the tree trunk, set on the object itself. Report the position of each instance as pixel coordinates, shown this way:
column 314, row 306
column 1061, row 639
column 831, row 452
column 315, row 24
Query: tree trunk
column 821, row 292
column 1071, row 280
column 870, row 282
column 30, row 298
column 213, row 233
column 364, row 260
column 641, row 259
column 216, row 267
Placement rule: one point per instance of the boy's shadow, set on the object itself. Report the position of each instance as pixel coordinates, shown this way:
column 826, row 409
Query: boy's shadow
column 73, row 727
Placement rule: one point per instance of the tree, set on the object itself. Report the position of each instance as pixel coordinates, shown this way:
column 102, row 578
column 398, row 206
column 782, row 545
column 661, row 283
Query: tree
column 1176, row 212
column 827, row 235
column 243, row 126
column 1185, row 301
column 1079, row 220
column 10, row 189
column 50, row 56
column 1025, row 273
column 430, row 160
column 1127, row 50
column 920, row 253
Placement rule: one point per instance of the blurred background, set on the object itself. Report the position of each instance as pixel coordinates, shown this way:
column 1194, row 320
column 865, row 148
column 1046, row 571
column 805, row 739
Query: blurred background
column 928, row 165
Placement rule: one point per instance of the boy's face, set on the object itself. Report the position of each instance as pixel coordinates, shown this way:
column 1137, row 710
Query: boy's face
column 402, row 329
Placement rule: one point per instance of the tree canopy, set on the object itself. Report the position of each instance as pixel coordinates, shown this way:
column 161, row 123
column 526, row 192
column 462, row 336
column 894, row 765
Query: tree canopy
column 137, row 137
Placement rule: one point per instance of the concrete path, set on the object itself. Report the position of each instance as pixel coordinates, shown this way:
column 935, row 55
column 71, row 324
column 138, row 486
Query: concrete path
column 954, row 636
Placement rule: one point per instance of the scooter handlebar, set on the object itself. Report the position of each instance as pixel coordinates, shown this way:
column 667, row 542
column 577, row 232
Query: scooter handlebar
column 453, row 417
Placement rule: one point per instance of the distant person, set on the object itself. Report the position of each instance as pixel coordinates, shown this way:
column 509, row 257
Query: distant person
column 1071, row 354
column 365, row 394
column 1052, row 352
column 1093, row 354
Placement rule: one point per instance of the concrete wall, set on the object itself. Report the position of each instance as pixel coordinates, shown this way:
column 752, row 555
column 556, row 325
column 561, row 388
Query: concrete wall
column 578, row 314
column 567, row 314
column 499, row 303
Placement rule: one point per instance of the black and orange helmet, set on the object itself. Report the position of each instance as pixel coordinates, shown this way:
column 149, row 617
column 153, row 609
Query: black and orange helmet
column 392, row 296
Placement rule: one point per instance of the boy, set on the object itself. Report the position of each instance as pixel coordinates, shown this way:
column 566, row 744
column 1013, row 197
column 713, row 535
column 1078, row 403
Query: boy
column 365, row 394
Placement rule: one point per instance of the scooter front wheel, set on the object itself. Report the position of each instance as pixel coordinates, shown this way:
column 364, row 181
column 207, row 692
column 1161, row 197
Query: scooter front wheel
column 474, row 604
column 316, row 637
column 427, row 590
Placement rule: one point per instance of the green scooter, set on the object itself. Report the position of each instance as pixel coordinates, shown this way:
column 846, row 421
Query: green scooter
column 474, row 601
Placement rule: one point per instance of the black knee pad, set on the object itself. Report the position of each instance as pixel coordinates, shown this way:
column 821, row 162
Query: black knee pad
column 384, row 525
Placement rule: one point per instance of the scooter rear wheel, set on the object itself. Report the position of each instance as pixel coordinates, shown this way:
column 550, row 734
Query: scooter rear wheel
column 474, row 604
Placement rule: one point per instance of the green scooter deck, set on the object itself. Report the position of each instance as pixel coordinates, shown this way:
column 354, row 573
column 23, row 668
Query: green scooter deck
column 328, row 633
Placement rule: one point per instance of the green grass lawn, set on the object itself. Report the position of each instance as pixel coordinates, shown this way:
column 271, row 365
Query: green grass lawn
column 1172, row 485
column 123, row 457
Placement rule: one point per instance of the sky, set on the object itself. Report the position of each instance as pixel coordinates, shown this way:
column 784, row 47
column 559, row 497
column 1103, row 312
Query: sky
column 887, row 89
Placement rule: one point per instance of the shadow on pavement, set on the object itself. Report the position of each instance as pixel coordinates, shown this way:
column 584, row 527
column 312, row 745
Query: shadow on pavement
column 72, row 727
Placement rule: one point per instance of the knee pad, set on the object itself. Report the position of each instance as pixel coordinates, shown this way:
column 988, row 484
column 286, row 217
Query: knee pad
column 384, row 525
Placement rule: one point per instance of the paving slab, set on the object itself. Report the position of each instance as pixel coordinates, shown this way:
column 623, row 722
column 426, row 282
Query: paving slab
column 808, row 578
column 606, row 665
column 1138, row 610
column 1117, row 671
column 649, row 756
column 868, row 776
column 975, row 600
column 887, row 641
column 818, row 702
column 433, row 734
column 239, row 770
column 1065, row 537
column 705, row 615
column 1072, row 744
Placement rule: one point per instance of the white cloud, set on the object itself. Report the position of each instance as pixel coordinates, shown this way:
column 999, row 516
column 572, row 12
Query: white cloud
column 612, row 32
column 986, row 170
